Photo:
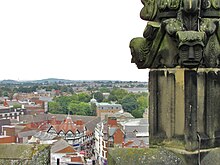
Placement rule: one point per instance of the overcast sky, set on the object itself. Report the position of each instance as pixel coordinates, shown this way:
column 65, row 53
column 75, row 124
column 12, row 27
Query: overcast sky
column 70, row 39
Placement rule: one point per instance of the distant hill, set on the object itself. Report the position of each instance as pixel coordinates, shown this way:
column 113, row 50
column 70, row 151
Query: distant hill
column 52, row 80
column 49, row 81
column 9, row 82
column 57, row 80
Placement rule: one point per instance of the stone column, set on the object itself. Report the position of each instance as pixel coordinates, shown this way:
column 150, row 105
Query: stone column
column 191, row 107
column 184, row 104
column 166, row 87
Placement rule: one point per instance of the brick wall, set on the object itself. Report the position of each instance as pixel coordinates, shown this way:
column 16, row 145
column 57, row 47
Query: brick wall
column 118, row 137
column 7, row 139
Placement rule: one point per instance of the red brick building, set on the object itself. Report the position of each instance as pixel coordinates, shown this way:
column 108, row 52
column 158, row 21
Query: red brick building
column 7, row 139
column 16, row 134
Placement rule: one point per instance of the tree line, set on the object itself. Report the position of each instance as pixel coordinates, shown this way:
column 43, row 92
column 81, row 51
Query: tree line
column 79, row 104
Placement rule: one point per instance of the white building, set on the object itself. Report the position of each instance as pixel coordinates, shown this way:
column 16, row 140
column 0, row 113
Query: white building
column 62, row 153
column 100, row 144
column 8, row 112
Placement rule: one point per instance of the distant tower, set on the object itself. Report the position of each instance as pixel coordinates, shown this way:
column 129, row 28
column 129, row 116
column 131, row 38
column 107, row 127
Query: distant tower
column 93, row 100
column 93, row 103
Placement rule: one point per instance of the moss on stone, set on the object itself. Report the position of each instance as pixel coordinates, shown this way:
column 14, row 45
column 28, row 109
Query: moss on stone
column 16, row 151
column 174, row 143
column 24, row 154
column 142, row 156
column 162, row 156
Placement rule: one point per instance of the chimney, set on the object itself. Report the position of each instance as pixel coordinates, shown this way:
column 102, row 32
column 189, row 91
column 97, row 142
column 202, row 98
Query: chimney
column 79, row 122
column 6, row 104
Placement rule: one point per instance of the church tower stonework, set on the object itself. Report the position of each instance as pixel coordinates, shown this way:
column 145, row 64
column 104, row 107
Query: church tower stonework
column 181, row 47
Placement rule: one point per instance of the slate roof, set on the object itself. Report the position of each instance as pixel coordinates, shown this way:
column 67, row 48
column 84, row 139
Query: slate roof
column 60, row 117
column 136, row 125
column 120, row 115
column 130, row 135
column 92, row 124
column 44, row 136
column 33, row 118
column 60, row 145
column 138, row 129
column 112, row 131
column 139, row 121
column 27, row 133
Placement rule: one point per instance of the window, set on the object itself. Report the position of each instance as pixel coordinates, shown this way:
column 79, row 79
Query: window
column 58, row 161
column 69, row 135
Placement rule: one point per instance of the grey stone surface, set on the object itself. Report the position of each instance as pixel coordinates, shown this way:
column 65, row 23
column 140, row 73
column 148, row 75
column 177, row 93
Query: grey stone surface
column 145, row 156
column 212, row 158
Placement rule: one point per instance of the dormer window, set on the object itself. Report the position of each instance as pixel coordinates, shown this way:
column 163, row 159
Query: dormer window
column 61, row 134
column 69, row 134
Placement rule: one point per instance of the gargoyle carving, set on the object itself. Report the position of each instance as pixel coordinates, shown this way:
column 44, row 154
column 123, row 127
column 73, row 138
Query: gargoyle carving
column 181, row 33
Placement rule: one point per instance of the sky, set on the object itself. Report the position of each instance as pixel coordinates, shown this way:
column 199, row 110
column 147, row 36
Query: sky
column 69, row 39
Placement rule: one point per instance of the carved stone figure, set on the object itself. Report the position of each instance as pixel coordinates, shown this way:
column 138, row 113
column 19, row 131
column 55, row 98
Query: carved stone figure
column 190, row 48
column 181, row 46
column 170, row 20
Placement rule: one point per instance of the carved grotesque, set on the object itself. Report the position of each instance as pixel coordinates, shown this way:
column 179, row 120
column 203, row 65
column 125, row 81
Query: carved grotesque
column 138, row 51
column 149, row 10
column 190, row 48
column 181, row 33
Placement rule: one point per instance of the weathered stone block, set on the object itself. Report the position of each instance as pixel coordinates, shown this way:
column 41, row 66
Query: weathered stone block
column 184, row 105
